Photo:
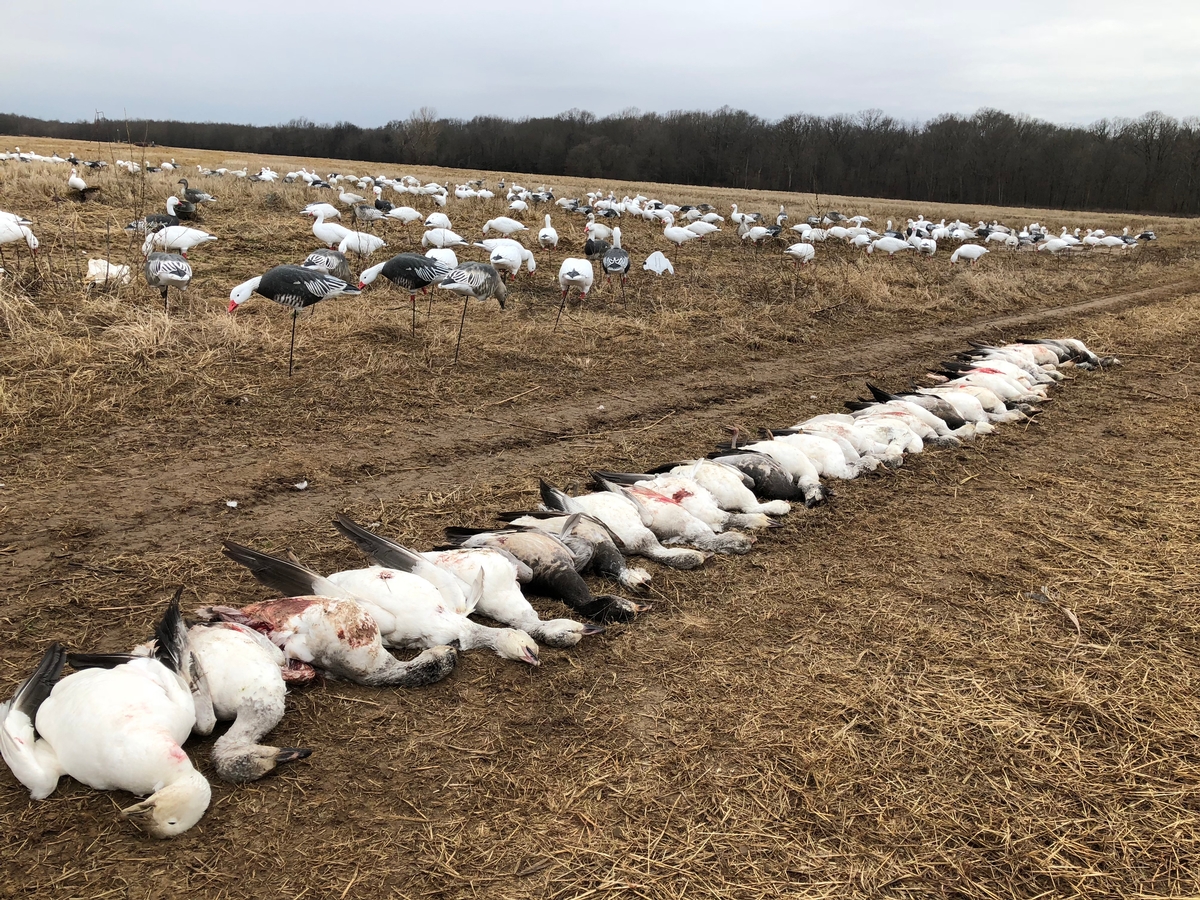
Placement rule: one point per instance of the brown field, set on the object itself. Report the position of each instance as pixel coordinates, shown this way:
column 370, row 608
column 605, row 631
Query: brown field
column 975, row 677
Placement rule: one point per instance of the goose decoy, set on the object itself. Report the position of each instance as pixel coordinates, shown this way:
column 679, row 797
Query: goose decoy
column 338, row 636
column 973, row 252
column 332, row 262
column 473, row 280
column 119, row 728
column 167, row 270
column 438, row 220
column 13, row 231
column 361, row 243
column 195, row 196
column 380, row 204
column 176, row 237
column 615, row 261
column 442, row 238
column 802, row 254
column 410, row 271
column 157, row 221
column 328, row 233
column 629, row 520
column 366, row 212
column 181, row 208
column 405, row 214
column 548, row 236
column 658, row 263
column 411, row 610
column 75, row 183
column 504, row 225
column 679, row 236
column 573, row 274
column 702, row 229
column 889, row 245
column 294, row 287
column 594, row 248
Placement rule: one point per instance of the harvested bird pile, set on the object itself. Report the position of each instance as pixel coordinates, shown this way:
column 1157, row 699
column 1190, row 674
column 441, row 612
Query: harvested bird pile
column 678, row 514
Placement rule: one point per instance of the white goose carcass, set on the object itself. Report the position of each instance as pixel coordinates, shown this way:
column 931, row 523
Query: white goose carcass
column 119, row 728
column 628, row 520
column 411, row 611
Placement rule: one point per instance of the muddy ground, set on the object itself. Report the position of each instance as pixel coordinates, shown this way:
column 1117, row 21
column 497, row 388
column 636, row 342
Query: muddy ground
column 974, row 677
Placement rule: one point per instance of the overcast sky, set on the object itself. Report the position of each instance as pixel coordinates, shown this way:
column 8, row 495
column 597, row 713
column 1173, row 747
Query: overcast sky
column 367, row 63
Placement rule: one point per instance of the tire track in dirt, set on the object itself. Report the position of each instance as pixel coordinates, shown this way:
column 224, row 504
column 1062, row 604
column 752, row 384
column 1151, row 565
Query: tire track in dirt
column 144, row 508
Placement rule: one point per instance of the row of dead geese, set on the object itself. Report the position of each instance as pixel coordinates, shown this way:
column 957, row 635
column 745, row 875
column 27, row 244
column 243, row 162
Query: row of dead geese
column 120, row 720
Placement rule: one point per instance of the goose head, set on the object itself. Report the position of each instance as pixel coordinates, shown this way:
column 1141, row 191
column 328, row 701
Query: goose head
column 563, row 633
column 173, row 809
column 512, row 643
column 242, row 292
column 241, row 764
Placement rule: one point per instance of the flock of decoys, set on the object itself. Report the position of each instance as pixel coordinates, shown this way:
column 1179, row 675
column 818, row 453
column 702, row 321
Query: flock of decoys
column 118, row 722
column 321, row 276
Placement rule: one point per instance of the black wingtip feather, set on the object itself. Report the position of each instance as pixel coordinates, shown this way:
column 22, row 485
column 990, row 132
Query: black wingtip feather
column 170, row 636
column 37, row 687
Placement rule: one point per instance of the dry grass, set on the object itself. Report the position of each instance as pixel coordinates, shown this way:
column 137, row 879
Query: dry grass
column 975, row 677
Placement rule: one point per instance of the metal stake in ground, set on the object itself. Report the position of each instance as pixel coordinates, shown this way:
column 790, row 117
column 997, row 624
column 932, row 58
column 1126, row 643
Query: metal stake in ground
column 294, row 287
column 472, row 279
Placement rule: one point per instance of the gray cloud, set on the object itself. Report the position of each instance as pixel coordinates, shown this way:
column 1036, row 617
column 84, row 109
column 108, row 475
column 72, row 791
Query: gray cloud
column 369, row 63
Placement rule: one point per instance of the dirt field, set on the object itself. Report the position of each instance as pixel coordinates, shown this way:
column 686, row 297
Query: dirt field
column 974, row 677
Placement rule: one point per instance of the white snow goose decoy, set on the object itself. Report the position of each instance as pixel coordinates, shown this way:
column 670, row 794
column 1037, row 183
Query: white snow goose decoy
column 573, row 274
column 973, row 252
column 548, row 237
column 504, row 225
column 802, row 254
column 331, row 261
column 176, row 237
column 361, row 243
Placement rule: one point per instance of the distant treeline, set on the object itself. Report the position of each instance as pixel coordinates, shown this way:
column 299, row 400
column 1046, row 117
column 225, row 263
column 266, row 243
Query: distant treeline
column 1148, row 164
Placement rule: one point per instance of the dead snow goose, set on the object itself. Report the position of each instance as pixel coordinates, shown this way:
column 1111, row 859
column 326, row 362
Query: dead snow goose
column 410, row 611
column 336, row 635
column 628, row 520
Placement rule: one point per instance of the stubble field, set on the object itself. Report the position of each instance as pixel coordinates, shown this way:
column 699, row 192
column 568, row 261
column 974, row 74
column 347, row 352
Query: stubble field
column 973, row 677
